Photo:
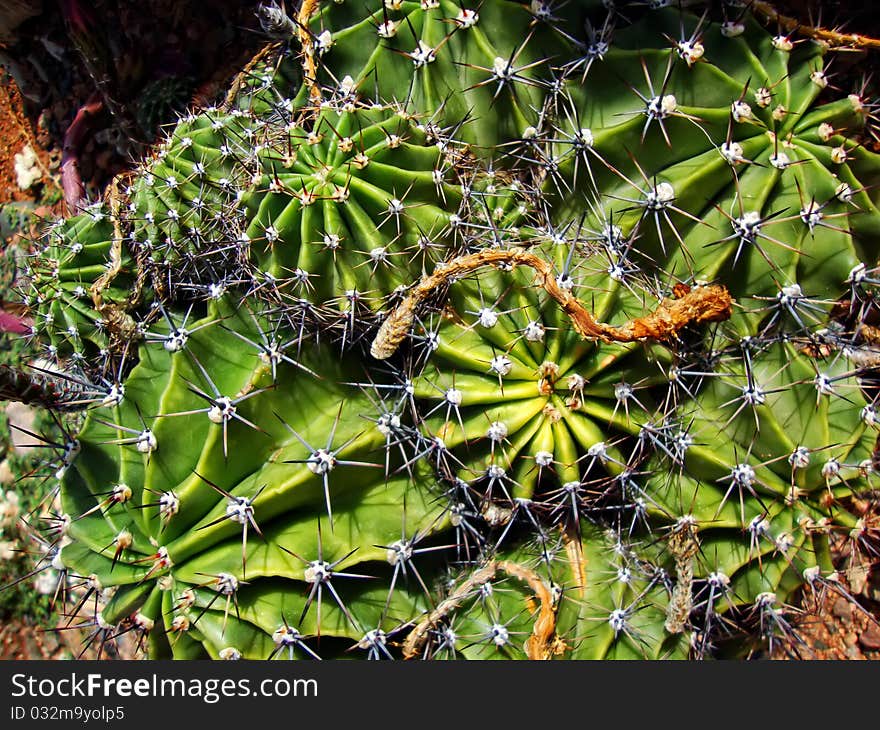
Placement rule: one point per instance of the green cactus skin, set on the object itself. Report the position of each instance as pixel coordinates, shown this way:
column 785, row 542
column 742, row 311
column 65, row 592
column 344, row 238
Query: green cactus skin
column 187, row 530
column 168, row 541
column 533, row 399
column 352, row 205
column 184, row 200
column 311, row 203
column 250, row 483
column 75, row 255
column 733, row 138
column 482, row 68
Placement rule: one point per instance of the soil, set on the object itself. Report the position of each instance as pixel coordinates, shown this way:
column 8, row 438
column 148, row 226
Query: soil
column 16, row 132
column 839, row 631
column 20, row 640
column 834, row 625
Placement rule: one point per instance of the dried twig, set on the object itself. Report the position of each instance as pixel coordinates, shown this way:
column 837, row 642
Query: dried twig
column 415, row 640
column 119, row 323
column 832, row 37
column 542, row 644
column 310, row 67
column 242, row 77
column 684, row 545
column 574, row 549
column 700, row 304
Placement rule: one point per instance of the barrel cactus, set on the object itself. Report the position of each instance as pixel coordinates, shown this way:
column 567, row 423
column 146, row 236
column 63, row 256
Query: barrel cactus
column 480, row 330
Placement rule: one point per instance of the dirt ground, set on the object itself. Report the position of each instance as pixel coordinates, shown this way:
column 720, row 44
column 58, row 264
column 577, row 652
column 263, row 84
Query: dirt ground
column 16, row 133
column 832, row 625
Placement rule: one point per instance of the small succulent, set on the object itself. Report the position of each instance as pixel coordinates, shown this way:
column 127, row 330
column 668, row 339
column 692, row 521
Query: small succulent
column 500, row 329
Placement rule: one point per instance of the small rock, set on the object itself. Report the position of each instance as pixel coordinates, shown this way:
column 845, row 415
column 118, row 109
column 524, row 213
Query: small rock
column 27, row 170
column 23, row 417
column 850, row 639
column 870, row 638
column 842, row 609
column 857, row 577
column 50, row 642
column 6, row 475
column 852, row 652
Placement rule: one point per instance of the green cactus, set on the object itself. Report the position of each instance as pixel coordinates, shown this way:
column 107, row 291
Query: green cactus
column 246, row 463
column 78, row 262
column 339, row 207
column 436, row 360
column 720, row 156
column 483, row 69
column 358, row 210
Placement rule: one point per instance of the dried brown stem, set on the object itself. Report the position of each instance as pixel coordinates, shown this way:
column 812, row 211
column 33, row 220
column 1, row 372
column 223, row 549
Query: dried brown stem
column 832, row 37
column 122, row 328
column 574, row 549
column 415, row 640
column 310, row 67
column 700, row 304
column 242, row 77
column 542, row 644
column 684, row 545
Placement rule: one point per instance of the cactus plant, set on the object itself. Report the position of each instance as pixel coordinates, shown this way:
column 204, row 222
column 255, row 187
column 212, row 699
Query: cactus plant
column 550, row 338
column 76, row 257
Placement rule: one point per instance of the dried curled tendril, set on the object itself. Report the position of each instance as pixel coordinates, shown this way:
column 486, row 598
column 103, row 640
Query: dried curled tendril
column 697, row 304
column 541, row 645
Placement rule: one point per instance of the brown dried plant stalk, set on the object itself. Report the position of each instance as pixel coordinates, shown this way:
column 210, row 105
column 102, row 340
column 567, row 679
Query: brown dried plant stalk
column 833, row 38
column 310, row 67
column 697, row 304
column 542, row 644
column 684, row 545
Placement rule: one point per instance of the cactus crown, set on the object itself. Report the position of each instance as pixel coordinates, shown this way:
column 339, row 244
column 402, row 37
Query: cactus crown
column 491, row 329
